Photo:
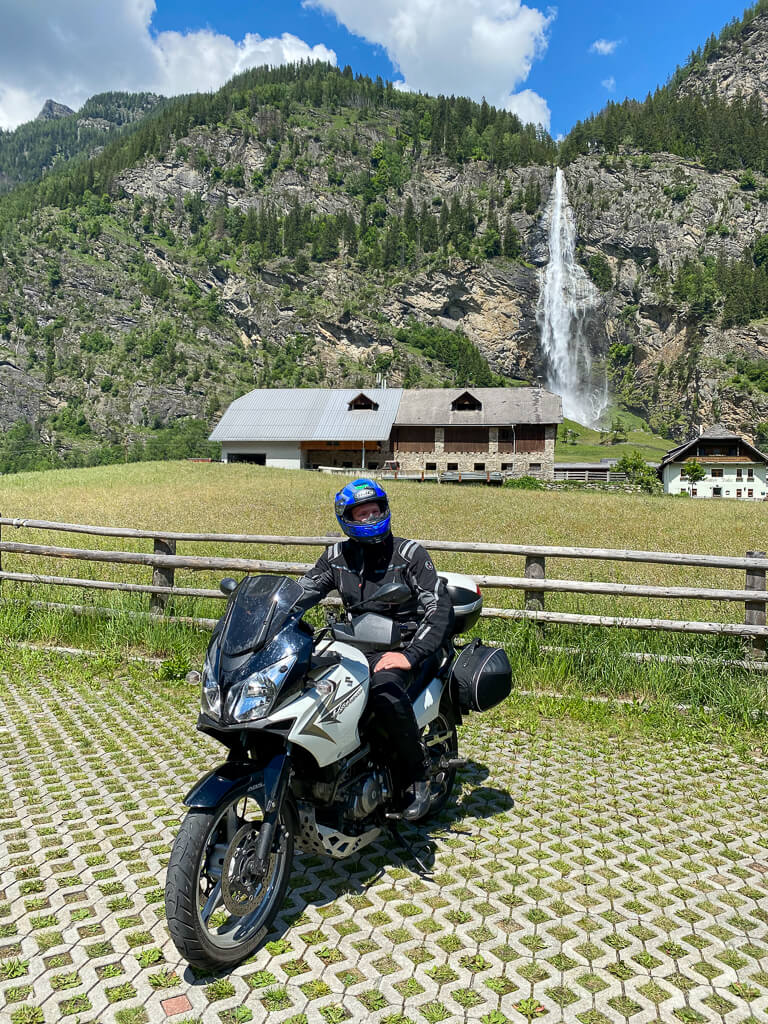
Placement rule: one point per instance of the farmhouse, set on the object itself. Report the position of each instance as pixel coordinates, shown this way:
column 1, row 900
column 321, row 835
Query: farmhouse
column 430, row 430
column 733, row 467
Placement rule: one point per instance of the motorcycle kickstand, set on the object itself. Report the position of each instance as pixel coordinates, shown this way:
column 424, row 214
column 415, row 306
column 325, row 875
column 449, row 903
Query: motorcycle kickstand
column 398, row 835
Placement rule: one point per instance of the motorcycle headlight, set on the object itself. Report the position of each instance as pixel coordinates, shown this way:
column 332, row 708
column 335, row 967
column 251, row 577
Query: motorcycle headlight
column 259, row 691
column 210, row 695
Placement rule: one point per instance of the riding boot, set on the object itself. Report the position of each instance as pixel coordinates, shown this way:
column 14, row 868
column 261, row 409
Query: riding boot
column 422, row 798
column 422, row 789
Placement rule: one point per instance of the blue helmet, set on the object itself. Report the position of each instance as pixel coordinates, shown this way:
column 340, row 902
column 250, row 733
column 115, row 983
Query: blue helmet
column 360, row 492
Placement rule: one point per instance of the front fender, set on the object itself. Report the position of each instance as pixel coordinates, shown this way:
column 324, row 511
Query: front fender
column 223, row 780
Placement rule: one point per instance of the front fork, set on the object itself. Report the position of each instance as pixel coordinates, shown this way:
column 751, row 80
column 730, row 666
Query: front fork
column 277, row 775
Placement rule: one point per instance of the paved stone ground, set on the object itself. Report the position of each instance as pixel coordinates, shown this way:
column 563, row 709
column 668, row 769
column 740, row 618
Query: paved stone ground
column 579, row 879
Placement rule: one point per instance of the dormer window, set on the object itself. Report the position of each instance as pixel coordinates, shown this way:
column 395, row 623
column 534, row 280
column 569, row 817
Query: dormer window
column 466, row 403
column 362, row 401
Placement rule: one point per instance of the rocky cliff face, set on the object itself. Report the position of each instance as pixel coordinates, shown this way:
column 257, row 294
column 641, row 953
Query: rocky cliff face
column 646, row 216
column 737, row 68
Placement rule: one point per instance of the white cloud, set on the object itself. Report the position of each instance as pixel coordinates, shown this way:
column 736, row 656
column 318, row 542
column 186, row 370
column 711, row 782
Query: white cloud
column 70, row 51
column 477, row 48
column 609, row 84
column 530, row 107
column 605, row 47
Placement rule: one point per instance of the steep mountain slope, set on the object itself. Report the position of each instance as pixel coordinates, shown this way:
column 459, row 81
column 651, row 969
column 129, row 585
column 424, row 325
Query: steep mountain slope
column 259, row 236
column 732, row 64
column 304, row 226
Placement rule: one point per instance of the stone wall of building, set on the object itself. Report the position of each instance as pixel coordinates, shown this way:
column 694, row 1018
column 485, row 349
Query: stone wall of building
column 491, row 459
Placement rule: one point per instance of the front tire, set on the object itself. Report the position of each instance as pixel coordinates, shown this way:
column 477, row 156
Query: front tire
column 217, row 919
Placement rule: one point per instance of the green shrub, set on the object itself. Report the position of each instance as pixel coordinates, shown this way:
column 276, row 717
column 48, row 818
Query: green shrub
column 525, row 483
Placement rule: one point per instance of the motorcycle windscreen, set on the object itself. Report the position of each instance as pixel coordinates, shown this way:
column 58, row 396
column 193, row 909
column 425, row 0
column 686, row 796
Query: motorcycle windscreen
column 261, row 605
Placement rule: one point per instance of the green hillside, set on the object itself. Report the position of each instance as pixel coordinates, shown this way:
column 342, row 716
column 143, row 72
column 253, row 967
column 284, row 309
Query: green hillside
column 577, row 443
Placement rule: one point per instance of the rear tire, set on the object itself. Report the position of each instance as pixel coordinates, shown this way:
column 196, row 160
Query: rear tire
column 206, row 933
column 442, row 743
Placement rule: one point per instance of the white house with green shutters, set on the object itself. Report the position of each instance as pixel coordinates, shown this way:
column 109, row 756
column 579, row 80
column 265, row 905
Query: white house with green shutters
column 733, row 467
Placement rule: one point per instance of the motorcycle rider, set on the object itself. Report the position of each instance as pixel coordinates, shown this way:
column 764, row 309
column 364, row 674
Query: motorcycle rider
column 356, row 568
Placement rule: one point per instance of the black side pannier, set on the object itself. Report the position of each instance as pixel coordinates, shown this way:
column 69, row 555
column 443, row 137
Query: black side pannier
column 482, row 675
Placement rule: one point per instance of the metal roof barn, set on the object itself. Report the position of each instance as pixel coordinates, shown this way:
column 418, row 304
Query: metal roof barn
column 308, row 414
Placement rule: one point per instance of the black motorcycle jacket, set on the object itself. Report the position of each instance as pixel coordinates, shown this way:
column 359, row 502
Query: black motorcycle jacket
column 358, row 570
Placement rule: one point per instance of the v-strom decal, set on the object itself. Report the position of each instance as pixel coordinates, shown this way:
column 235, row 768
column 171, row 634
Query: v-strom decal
column 329, row 711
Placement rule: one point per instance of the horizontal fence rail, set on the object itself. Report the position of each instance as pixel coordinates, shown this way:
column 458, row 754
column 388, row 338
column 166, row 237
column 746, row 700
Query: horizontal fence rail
column 164, row 561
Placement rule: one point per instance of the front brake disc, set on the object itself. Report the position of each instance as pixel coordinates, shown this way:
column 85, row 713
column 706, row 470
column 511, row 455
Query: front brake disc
column 242, row 873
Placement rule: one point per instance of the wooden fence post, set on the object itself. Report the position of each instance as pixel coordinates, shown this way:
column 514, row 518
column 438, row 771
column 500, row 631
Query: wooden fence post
column 754, row 611
column 535, row 569
column 161, row 577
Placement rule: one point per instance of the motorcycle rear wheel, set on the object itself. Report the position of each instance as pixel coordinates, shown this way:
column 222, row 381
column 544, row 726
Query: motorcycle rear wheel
column 207, row 932
column 442, row 744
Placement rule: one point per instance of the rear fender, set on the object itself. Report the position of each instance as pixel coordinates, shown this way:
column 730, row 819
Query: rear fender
column 228, row 777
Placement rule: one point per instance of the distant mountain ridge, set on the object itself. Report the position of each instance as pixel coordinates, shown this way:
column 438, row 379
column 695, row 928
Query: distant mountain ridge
column 53, row 110
column 59, row 134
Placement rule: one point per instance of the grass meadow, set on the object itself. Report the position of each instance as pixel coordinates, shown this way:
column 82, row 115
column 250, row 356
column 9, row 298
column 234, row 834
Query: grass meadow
column 200, row 497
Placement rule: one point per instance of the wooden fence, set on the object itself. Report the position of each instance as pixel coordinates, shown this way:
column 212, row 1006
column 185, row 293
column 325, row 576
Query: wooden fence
column 535, row 583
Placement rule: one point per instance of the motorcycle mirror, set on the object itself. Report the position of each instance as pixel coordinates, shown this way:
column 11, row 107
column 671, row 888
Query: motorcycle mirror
column 227, row 585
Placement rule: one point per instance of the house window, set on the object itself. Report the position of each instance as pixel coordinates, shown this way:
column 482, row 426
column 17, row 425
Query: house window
column 479, row 466
column 717, row 492
column 750, row 473
column 694, row 492
column 738, row 492
column 750, row 493
column 431, row 465
column 716, row 472
column 362, row 401
column 466, row 403
column 738, row 472
column 452, row 467
column 507, row 465
column 535, row 467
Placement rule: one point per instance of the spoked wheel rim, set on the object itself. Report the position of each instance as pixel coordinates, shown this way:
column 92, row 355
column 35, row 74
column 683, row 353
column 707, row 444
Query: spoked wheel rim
column 440, row 740
column 230, row 847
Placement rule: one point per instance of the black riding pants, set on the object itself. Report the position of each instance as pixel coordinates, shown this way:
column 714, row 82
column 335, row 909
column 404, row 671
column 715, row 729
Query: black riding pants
column 391, row 726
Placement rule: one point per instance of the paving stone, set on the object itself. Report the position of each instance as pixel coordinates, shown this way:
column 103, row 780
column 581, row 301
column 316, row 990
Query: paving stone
column 580, row 878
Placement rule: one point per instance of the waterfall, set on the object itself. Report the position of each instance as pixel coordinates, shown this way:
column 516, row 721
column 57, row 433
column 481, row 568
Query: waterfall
column 567, row 298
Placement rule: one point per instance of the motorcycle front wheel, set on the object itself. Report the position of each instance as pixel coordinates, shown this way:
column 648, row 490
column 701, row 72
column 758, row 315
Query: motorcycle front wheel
column 219, row 900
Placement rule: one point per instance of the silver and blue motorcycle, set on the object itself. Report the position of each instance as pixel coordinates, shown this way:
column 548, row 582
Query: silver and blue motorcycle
column 287, row 702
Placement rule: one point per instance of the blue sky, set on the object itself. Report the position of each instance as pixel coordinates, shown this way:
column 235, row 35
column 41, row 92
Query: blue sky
column 536, row 59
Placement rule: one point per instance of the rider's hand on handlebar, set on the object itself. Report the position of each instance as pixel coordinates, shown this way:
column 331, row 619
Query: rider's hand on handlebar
column 392, row 659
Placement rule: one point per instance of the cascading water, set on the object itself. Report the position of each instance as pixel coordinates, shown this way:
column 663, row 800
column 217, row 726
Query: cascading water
column 566, row 300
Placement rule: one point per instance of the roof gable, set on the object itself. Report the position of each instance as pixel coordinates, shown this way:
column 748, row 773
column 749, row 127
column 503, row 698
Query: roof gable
column 362, row 401
column 717, row 432
column 466, row 402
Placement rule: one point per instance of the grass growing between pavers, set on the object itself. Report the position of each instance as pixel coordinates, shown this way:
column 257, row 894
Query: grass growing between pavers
column 601, row 858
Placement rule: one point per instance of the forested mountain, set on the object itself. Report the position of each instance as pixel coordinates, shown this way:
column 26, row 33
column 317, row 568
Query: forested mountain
column 305, row 225
column 59, row 134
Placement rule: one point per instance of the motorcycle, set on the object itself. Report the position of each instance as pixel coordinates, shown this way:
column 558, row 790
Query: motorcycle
column 287, row 702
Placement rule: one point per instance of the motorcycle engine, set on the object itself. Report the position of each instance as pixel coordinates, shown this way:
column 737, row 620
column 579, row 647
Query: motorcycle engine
column 364, row 796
